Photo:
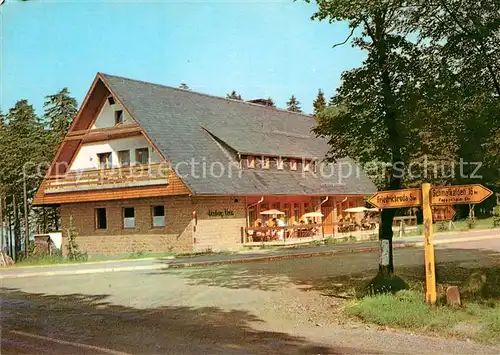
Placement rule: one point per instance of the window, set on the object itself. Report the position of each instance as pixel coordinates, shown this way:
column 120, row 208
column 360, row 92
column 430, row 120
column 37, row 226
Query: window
column 111, row 100
column 293, row 164
column 307, row 165
column 124, row 157
column 118, row 117
column 286, row 209
column 128, row 217
column 142, row 156
column 296, row 212
column 104, row 160
column 251, row 162
column 100, row 218
column 280, row 163
column 243, row 160
column 266, row 162
column 158, row 216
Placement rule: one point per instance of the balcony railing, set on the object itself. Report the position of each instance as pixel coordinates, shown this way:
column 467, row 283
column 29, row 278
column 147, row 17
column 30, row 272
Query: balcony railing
column 120, row 177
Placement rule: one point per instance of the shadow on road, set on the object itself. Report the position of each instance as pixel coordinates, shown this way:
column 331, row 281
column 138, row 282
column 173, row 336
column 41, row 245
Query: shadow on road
column 90, row 319
column 341, row 275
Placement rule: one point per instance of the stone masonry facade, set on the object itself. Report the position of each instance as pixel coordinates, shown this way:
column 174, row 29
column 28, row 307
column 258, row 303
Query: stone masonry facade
column 217, row 225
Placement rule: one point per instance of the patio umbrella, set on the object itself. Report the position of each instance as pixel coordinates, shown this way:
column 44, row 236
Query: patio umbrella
column 313, row 214
column 272, row 212
column 356, row 209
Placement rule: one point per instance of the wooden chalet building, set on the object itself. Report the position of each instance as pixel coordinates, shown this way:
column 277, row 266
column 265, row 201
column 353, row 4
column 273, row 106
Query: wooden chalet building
column 151, row 168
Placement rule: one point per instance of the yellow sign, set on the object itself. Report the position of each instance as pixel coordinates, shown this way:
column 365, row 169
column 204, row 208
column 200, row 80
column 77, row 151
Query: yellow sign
column 397, row 198
column 459, row 194
column 443, row 213
column 430, row 271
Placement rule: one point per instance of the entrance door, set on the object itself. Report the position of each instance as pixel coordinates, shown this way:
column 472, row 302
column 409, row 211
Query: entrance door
column 327, row 220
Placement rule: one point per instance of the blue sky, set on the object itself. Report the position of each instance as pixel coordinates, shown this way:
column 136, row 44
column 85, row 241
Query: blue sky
column 258, row 48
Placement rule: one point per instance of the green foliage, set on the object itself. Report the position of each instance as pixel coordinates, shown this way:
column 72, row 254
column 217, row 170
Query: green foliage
column 382, row 284
column 496, row 216
column 442, row 226
column 233, row 95
column 293, row 105
column 60, row 110
column 407, row 309
column 74, row 253
column 319, row 103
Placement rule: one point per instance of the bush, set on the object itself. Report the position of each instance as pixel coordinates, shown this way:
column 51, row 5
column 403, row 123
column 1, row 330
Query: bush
column 442, row 226
column 471, row 223
column 74, row 253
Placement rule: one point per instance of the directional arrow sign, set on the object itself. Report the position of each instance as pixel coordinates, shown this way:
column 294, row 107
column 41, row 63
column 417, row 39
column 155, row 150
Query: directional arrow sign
column 459, row 194
column 397, row 198
column 443, row 213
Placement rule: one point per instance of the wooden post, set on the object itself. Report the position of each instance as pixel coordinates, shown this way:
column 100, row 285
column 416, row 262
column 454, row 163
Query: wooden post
column 335, row 219
column 430, row 273
column 1, row 225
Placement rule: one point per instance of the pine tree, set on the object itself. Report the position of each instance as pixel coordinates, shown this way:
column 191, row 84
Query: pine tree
column 270, row 102
column 184, row 86
column 319, row 103
column 332, row 101
column 293, row 105
column 25, row 147
column 233, row 95
column 60, row 110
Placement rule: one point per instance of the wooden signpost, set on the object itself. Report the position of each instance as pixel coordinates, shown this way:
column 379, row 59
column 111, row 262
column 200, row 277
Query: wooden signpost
column 426, row 197
column 397, row 198
column 443, row 213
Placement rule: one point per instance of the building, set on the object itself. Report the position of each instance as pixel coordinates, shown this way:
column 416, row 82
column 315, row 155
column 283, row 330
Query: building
column 151, row 168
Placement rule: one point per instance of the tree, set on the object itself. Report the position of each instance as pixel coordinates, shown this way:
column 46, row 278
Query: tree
column 293, row 105
column 60, row 110
column 371, row 122
column 184, row 86
column 319, row 103
column 234, row 96
column 25, row 146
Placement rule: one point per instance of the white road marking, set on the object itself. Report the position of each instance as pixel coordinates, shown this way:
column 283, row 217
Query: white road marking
column 64, row 342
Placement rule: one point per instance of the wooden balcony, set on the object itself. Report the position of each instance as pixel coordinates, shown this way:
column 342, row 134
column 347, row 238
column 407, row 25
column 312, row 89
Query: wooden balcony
column 120, row 177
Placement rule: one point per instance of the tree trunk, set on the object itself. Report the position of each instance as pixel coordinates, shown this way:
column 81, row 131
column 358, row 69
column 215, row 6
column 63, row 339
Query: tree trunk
column 386, row 265
column 9, row 240
column 17, row 229
column 386, row 261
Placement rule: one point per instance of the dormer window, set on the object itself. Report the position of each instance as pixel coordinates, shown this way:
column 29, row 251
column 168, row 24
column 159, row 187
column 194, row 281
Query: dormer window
column 118, row 117
column 293, row 164
column 251, row 162
column 280, row 164
column 266, row 162
column 307, row 165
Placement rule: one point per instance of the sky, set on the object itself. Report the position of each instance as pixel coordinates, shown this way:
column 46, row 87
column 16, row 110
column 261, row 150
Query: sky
column 258, row 48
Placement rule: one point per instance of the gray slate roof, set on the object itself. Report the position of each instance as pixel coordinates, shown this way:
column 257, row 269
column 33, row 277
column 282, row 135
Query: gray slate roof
column 187, row 126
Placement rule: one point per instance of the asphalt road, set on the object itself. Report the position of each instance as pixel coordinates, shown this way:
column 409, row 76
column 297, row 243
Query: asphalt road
column 152, row 264
column 274, row 307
